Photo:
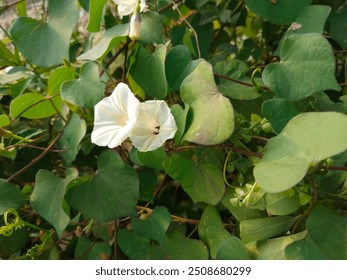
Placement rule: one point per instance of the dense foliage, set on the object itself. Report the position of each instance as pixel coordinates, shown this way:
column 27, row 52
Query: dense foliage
column 257, row 166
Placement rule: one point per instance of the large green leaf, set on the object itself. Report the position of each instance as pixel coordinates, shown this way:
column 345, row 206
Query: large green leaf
column 307, row 66
column 180, row 116
column 48, row 195
column 326, row 237
column 86, row 91
column 153, row 225
column 10, row 196
column 153, row 159
column 283, row 203
column 212, row 124
column 306, row 140
column 153, row 80
column 204, row 181
column 263, row 228
column 111, row 193
column 34, row 105
column 278, row 11
column 211, row 230
column 109, row 40
column 71, row 138
column 47, row 43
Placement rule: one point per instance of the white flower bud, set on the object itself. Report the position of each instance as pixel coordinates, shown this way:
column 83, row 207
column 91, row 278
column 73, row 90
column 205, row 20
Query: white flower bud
column 135, row 26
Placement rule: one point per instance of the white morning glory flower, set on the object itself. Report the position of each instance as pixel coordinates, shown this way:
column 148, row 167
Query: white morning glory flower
column 127, row 7
column 115, row 117
column 155, row 124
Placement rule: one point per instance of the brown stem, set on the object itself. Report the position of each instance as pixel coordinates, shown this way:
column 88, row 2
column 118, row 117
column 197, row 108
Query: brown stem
column 237, row 81
column 38, row 158
column 310, row 208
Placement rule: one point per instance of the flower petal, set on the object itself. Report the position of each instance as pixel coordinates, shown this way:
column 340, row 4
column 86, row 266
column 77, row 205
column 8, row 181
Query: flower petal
column 115, row 117
column 127, row 7
column 155, row 124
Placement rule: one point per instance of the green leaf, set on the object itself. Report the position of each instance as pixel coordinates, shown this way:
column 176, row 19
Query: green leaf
column 110, row 39
column 86, row 91
column 151, row 28
column 10, row 196
column 306, row 140
column 176, row 247
column 46, row 43
column 232, row 248
column 148, row 182
column 274, row 249
column 307, row 58
column 88, row 250
column 278, row 11
column 35, row 106
column 153, row 225
column 337, row 27
column 325, row 240
column 211, row 230
column 180, row 116
column 311, row 19
column 9, row 245
column 178, row 65
column 58, row 77
column 153, row 159
column 212, row 124
column 4, row 120
column 204, row 181
column 153, row 80
column 236, row 69
column 278, row 112
column 179, row 247
column 283, row 203
column 263, row 228
column 96, row 8
column 111, row 193
column 71, row 138
column 48, row 195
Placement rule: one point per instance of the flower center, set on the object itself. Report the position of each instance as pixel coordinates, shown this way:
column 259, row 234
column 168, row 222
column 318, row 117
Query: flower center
column 156, row 130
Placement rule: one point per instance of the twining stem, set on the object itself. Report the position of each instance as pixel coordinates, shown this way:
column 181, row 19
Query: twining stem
column 225, row 169
column 310, row 208
column 238, row 82
column 38, row 158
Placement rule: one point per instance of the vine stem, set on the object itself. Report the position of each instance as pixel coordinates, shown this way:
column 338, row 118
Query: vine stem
column 310, row 208
column 238, row 82
column 38, row 158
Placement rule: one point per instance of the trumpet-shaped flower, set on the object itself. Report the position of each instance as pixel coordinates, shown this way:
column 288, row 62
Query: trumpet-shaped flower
column 127, row 7
column 155, row 124
column 115, row 117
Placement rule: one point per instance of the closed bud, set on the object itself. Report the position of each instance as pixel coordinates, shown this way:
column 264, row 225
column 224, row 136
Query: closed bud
column 135, row 26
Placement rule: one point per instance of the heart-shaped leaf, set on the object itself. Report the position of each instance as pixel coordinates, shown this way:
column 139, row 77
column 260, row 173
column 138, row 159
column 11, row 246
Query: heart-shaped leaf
column 86, row 91
column 30, row 35
column 47, row 197
column 111, row 193
column 154, row 225
column 325, row 239
column 212, row 124
column 204, row 181
column 10, row 196
column 306, row 140
column 307, row 58
column 153, row 80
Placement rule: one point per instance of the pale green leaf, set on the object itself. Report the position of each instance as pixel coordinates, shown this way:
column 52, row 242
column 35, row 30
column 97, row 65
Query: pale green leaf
column 10, row 196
